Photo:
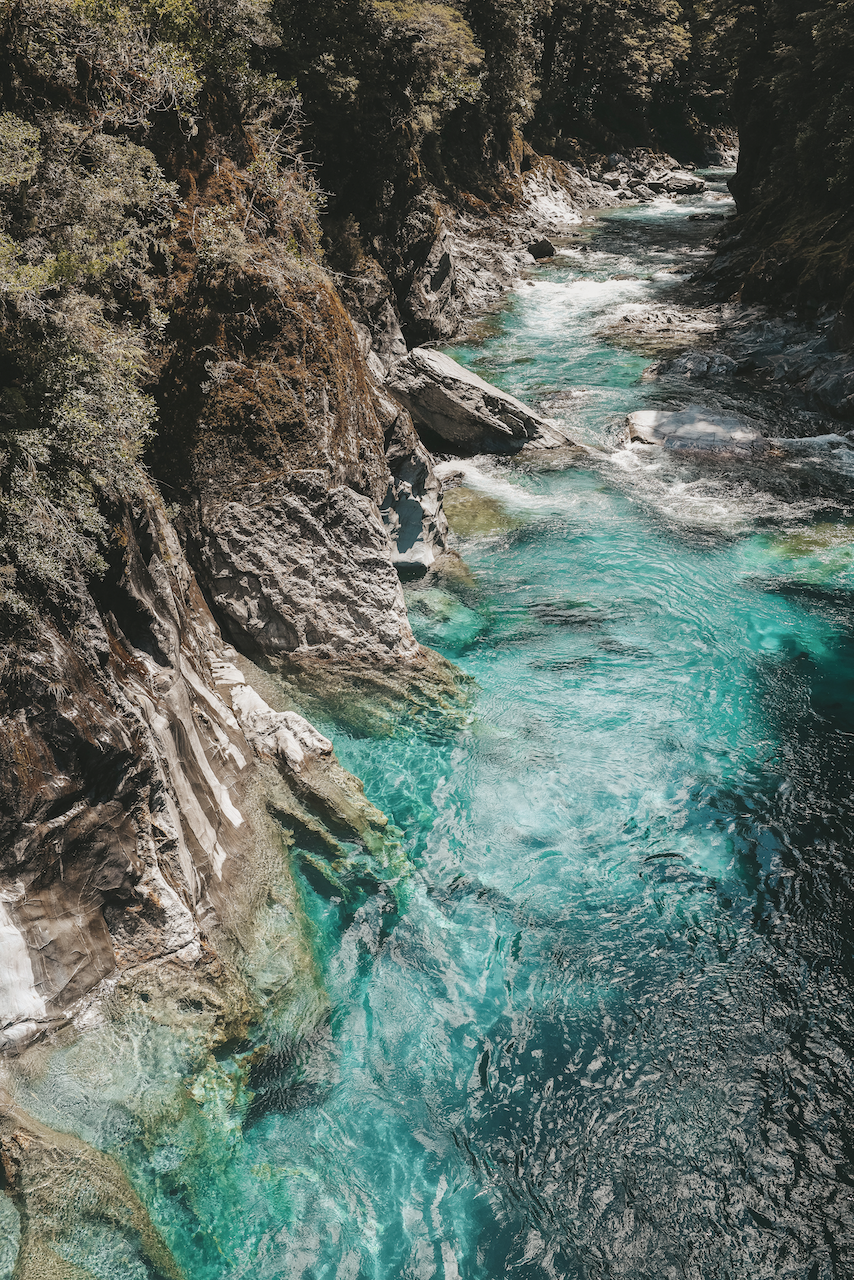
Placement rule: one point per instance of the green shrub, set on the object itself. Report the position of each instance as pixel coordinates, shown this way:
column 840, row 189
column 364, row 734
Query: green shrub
column 71, row 435
column 19, row 150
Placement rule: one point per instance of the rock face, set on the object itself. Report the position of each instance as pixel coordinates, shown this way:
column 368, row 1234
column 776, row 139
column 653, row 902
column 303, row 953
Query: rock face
column 694, row 428
column 447, row 265
column 296, row 568
column 148, row 799
column 129, row 825
column 457, row 406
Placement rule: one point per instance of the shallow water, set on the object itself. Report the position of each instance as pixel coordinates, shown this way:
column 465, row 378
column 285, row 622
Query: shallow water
column 610, row 1035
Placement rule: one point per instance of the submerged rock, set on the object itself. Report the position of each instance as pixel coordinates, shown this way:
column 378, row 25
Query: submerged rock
column 79, row 1213
column 375, row 696
column 694, row 428
column 472, row 513
column 458, row 406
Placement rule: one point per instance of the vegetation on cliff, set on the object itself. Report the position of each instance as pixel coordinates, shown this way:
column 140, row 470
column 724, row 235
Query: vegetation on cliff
column 106, row 109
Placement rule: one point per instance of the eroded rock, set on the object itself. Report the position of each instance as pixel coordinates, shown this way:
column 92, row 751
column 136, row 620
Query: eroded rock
column 412, row 507
column 294, row 567
column 458, row 406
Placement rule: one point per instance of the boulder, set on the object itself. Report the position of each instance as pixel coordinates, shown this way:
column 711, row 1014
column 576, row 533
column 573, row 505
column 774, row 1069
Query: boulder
column 694, row 428
column 643, row 192
column 681, row 183
column 541, row 249
column 699, row 364
column 461, row 408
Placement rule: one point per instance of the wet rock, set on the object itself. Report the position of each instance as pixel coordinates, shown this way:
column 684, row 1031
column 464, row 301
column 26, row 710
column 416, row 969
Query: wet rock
column 457, row 406
column 73, row 1203
column 540, row 249
column 412, row 507
column 697, row 364
column 694, row 428
column 643, row 192
column 323, row 805
column 833, row 389
column 657, row 332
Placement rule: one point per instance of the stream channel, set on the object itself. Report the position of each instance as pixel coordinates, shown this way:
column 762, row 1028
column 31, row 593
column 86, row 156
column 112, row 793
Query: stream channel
column 610, row 1033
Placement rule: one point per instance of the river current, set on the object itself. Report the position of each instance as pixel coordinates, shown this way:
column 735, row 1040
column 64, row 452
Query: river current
column 609, row 1033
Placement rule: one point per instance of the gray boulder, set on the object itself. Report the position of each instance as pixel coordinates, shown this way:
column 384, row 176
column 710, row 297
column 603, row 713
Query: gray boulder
column 699, row 364
column 694, row 428
column 681, row 183
column 458, row 406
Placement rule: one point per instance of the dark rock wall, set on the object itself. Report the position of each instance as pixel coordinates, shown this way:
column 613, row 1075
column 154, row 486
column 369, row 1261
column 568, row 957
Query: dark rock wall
column 792, row 243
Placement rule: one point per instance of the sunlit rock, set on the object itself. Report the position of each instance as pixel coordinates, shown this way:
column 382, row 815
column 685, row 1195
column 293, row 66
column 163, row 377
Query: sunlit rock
column 458, row 406
column 693, row 428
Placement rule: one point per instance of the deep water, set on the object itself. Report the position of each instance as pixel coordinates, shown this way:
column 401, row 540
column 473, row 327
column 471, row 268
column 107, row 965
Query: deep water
column 610, row 1031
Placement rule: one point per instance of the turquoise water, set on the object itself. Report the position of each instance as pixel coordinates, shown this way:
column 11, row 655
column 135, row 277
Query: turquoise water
column 610, row 1035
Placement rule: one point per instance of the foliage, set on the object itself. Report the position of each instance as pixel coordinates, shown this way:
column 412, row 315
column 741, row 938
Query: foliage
column 72, row 428
column 430, row 49
column 76, row 233
column 794, row 98
column 88, row 221
column 19, row 150
column 379, row 80
column 506, row 30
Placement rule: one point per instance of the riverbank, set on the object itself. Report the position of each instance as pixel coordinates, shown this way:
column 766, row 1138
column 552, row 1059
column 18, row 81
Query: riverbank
column 544, row 1019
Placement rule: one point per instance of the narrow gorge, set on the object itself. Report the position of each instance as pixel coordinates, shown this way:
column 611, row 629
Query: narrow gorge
column 426, row 559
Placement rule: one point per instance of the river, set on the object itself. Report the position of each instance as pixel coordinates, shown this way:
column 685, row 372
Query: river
column 609, row 1033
